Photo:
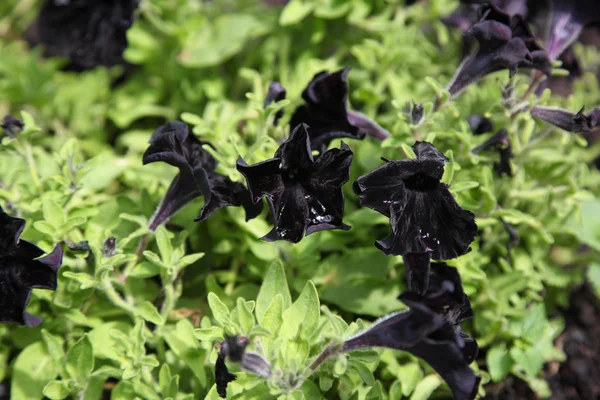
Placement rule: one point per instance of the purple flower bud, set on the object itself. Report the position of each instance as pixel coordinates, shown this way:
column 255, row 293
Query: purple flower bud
column 479, row 124
column 567, row 120
column 11, row 125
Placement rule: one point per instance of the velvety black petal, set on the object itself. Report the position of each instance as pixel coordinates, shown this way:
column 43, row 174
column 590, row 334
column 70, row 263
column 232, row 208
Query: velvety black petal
column 480, row 124
column 184, row 188
column 295, row 152
column 11, row 125
column 173, row 144
column 10, row 230
column 222, row 376
column 234, row 347
column 87, row 32
column 263, row 178
column 290, row 212
column 417, row 271
column 567, row 120
column 325, row 111
column 446, row 357
column 223, row 193
column 568, row 19
column 505, row 42
column 276, row 93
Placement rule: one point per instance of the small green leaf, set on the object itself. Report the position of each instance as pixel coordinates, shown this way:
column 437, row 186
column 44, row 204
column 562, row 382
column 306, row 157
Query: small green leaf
column 273, row 316
column 56, row 390
column 274, row 283
column 54, row 344
column 219, row 310
column 85, row 281
column 53, row 214
column 164, row 244
column 79, row 362
column 499, row 362
column 32, row 370
column 295, row 11
column 147, row 311
column 209, row 335
column 188, row 260
column 426, row 387
column 365, row 373
column 303, row 316
column 44, row 227
column 245, row 316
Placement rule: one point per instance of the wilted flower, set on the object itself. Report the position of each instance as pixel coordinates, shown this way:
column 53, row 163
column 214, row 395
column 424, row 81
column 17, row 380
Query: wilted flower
column 110, row 247
column 89, row 33
column 276, row 93
column 505, row 42
column 234, row 348
column 423, row 214
column 479, row 124
column 326, row 112
column 304, row 194
column 172, row 143
column 429, row 329
column 568, row 19
column 21, row 271
column 414, row 112
column 501, row 143
column 567, row 120
column 11, row 125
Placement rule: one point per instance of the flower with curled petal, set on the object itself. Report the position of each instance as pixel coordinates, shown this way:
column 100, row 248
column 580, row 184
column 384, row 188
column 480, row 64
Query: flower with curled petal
column 505, row 42
column 11, row 125
column 567, row 120
column 423, row 214
column 304, row 194
column 327, row 115
column 429, row 329
column 89, row 33
column 172, row 144
column 21, row 271
column 569, row 17
column 500, row 142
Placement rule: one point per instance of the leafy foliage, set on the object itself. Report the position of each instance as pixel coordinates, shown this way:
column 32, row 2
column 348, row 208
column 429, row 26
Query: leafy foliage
column 142, row 320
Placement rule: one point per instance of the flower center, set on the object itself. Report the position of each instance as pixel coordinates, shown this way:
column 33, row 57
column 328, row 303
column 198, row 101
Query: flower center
column 421, row 183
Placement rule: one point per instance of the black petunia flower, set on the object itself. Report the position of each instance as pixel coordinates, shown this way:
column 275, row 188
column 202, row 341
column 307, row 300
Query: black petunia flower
column 304, row 194
column 275, row 93
column 234, row 348
column 89, row 33
column 326, row 112
column 21, row 271
column 11, row 125
column 567, row 120
column 501, row 143
column 429, row 329
column 568, row 19
column 505, row 42
column 172, row 143
column 480, row 124
column 423, row 214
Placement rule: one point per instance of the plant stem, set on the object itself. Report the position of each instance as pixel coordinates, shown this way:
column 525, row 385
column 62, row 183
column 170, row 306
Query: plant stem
column 329, row 351
column 116, row 298
column 534, row 84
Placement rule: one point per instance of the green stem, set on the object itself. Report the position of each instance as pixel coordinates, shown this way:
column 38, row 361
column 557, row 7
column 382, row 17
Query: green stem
column 116, row 298
column 138, row 253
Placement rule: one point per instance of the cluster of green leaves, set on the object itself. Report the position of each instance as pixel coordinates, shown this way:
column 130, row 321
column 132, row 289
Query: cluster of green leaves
column 142, row 322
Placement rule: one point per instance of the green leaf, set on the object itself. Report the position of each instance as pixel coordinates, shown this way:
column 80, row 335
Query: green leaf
column 530, row 360
column 593, row 276
column 245, row 316
column 53, row 214
column 164, row 244
column 410, row 375
column 273, row 317
column 44, row 227
column 219, row 310
column 147, row 311
column 188, row 260
column 32, row 370
column 85, row 281
column 302, row 317
column 365, row 373
column 56, row 390
column 295, row 11
column 79, row 362
column 274, row 283
column 182, row 342
column 54, row 344
column 499, row 362
column 103, row 343
column 426, row 387
column 209, row 335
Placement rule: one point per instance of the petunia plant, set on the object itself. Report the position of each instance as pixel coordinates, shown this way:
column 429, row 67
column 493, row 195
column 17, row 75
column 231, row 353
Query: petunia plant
column 166, row 290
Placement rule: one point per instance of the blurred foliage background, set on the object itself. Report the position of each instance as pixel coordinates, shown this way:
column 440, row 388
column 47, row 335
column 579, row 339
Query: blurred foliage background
column 143, row 322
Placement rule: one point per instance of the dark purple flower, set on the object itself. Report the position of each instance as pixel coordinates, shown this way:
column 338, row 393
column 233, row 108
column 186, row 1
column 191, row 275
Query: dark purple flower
column 567, row 120
column 304, row 194
column 480, row 124
column 276, row 93
column 326, row 112
column 499, row 142
column 21, row 271
column 568, row 19
column 172, row 143
column 505, row 42
column 234, row 348
column 89, row 33
column 11, row 125
column 423, row 214
column 429, row 329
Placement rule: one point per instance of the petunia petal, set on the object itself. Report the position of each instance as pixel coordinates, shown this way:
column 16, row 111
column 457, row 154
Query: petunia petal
column 295, row 152
column 480, row 124
column 222, row 376
column 263, row 178
column 290, row 212
column 224, row 193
